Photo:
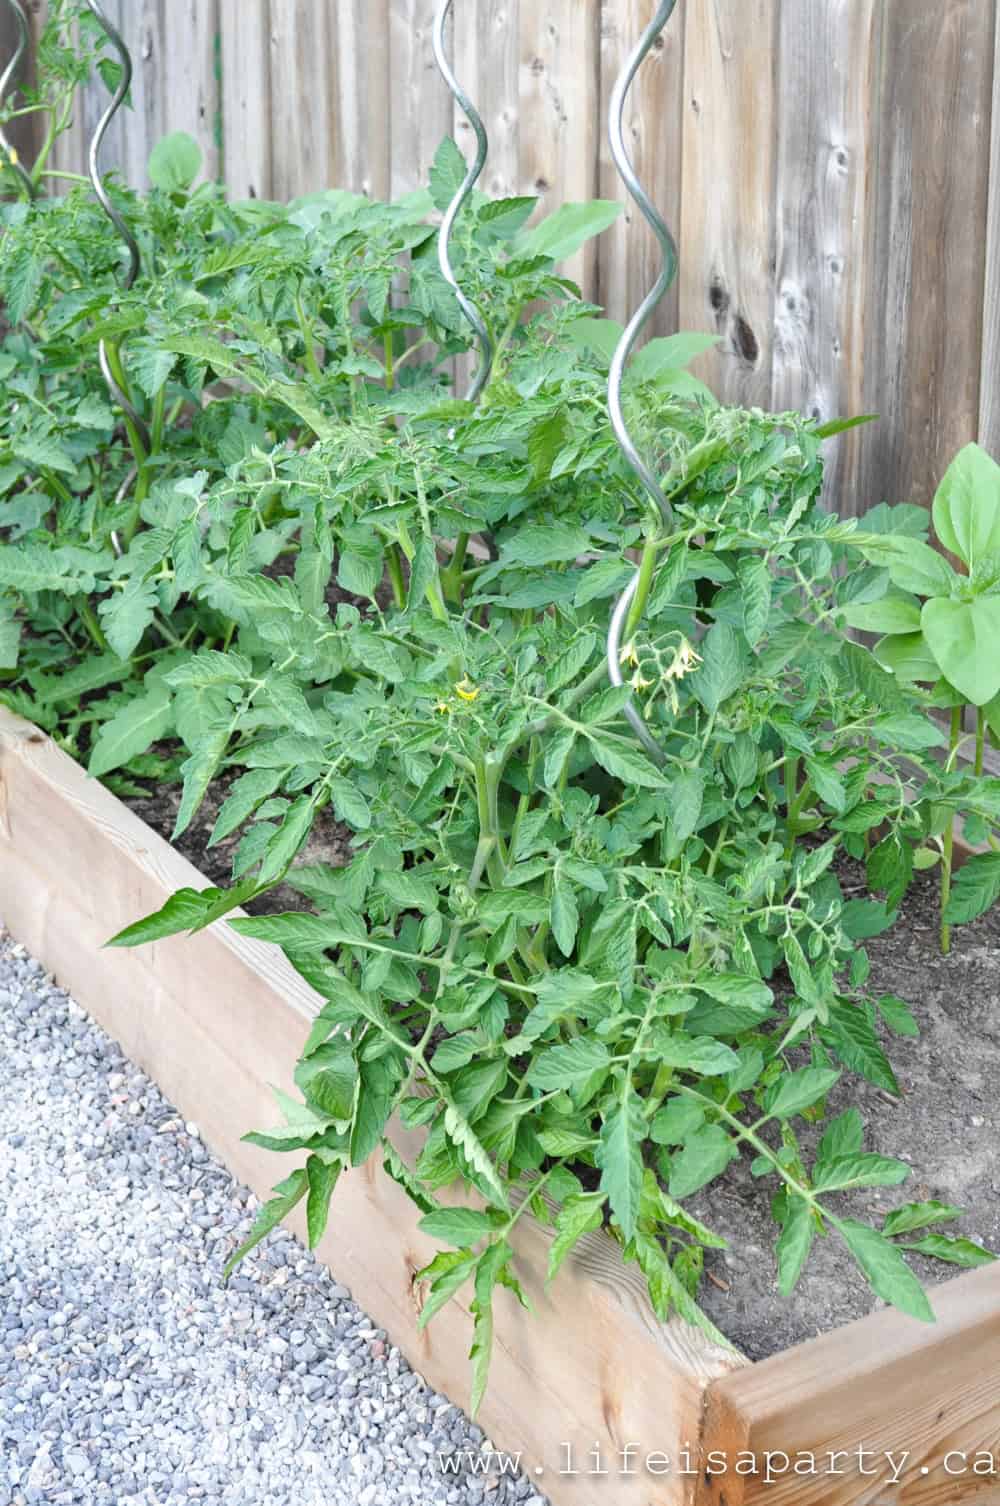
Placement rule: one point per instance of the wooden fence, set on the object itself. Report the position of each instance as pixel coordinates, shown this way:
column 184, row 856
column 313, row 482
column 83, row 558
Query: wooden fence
column 831, row 169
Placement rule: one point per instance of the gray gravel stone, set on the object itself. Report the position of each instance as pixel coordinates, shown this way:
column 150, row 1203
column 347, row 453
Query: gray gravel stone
column 129, row 1376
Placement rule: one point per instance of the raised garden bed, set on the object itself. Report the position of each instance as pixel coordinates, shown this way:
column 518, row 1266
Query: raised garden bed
column 224, row 1017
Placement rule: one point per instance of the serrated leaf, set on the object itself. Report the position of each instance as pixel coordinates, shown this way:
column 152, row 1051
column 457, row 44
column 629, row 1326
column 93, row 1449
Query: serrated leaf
column 975, row 888
column 795, row 1242
column 963, row 1252
column 887, row 1272
column 705, row 1156
column 568, row 1066
column 287, row 1193
column 579, row 1215
column 350, row 804
column 862, row 1169
column 919, row 1216
column 127, row 614
column 322, row 1179
column 619, row 1156
column 185, row 910
column 459, row 1226
column 623, row 762
column 131, row 731
column 797, row 1091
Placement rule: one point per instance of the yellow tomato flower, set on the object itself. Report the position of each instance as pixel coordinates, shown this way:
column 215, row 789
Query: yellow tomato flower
column 467, row 690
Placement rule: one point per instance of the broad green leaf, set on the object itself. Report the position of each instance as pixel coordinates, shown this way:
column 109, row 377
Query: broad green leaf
column 447, row 174
column 328, row 1079
column 975, row 888
column 897, row 1015
column 963, row 1252
column 919, row 1216
column 755, row 588
column 127, row 614
column 853, row 1038
column 862, row 1169
column 459, row 1226
column 199, row 770
column 245, row 794
column 175, row 162
column 599, row 335
column 908, row 656
column 624, row 762
column 579, row 1215
column 568, row 1066
column 843, row 1136
column 322, row 1179
column 915, row 567
column 888, row 1274
column 619, row 1156
column 702, row 1055
column 131, row 731
column 894, row 613
column 564, row 915
column 797, row 1091
column 561, row 234
column 350, row 804
column 966, row 507
column 673, row 1124
column 705, row 1156
column 484, row 1284
column 796, row 1241
column 669, row 353
column 963, row 637
column 185, row 910
column 723, row 667
column 447, row 1273
column 546, row 544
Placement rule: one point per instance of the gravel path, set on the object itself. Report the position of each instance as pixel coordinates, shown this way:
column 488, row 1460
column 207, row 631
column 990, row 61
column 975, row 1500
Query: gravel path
column 127, row 1373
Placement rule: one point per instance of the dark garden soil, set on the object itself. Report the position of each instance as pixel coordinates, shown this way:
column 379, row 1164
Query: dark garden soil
column 329, row 842
column 945, row 1127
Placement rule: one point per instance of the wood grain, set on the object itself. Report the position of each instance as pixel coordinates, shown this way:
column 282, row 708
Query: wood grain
column 887, row 1384
column 189, row 75
column 422, row 109
column 727, row 204
column 250, row 116
column 214, row 1019
column 360, row 84
column 301, row 52
column 486, row 53
column 923, row 320
column 989, row 378
column 827, row 94
column 628, row 256
column 559, row 126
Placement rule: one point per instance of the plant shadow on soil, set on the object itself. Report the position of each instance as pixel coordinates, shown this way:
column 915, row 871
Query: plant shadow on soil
column 945, row 1126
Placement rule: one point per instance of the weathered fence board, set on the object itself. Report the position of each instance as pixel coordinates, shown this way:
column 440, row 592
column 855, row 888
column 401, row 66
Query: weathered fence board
column 727, row 190
column 923, row 325
column 831, row 171
column 827, row 81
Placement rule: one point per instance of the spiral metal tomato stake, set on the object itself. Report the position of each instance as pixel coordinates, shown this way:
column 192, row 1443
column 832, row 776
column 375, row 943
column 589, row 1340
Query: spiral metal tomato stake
column 115, row 387
column 657, row 499
column 6, row 80
column 469, row 309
